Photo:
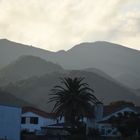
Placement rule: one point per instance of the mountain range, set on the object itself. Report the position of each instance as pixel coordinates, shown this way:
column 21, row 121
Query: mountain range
column 36, row 90
column 7, row 98
column 117, row 61
column 27, row 74
column 25, row 67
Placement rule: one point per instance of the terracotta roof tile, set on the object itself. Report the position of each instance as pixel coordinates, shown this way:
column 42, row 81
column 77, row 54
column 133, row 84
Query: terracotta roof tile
column 111, row 109
column 37, row 111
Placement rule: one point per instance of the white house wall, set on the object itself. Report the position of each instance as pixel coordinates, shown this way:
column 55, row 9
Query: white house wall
column 42, row 122
column 107, row 127
column 93, row 123
column 10, row 122
column 127, row 109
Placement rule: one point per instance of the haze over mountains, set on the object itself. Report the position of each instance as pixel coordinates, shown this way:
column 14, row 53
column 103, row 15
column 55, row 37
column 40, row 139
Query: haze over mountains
column 26, row 67
column 10, row 51
column 36, row 90
column 115, row 60
column 9, row 99
column 29, row 73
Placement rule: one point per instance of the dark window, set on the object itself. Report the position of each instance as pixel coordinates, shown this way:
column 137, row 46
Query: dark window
column 23, row 120
column 57, row 121
column 103, row 131
column 114, row 133
column 34, row 120
column 108, row 131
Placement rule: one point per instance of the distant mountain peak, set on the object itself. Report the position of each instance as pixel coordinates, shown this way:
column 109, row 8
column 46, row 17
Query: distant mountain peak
column 25, row 67
column 93, row 44
column 5, row 40
column 101, row 46
column 111, row 58
column 61, row 51
column 30, row 57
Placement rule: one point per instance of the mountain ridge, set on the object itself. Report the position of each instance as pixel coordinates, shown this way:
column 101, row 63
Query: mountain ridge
column 4, row 40
column 36, row 90
column 25, row 67
column 7, row 98
column 103, row 42
column 111, row 58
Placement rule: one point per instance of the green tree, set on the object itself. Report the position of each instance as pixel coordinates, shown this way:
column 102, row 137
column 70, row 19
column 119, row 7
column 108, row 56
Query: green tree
column 121, row 103
column 73, row 100
column 127, row 123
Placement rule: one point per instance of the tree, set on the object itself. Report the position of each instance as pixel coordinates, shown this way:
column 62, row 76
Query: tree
column 127, row 123
column 121, row 103
column 73, row 100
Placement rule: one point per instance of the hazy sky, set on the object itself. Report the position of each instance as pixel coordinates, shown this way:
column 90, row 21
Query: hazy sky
column 60, row 24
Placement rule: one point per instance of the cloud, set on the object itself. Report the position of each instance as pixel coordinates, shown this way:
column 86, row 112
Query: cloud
column 59, row 24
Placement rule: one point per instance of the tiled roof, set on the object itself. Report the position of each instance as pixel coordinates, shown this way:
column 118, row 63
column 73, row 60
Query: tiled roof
column 108, row 110
column 37, row 111
column 112, row 109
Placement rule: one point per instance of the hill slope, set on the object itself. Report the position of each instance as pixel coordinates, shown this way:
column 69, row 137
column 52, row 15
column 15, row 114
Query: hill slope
column 109, row 57
column 113, row 59
column 10, row 51
column 26, row 67
column 37, row 90
column 9, row 99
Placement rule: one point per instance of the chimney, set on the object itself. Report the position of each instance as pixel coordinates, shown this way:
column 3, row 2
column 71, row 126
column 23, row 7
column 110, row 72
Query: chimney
column 98, row 110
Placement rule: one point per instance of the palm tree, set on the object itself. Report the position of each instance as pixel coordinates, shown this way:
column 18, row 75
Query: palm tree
column 73, row 100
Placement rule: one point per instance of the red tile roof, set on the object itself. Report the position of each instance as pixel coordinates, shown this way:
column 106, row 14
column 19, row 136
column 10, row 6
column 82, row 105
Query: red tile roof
column 107, row 110
column 37, row 111
column 111, row 109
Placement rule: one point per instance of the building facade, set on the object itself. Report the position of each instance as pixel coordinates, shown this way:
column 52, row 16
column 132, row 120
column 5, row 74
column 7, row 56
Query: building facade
column 33, row 119
column 10, row 122
column 104, row 113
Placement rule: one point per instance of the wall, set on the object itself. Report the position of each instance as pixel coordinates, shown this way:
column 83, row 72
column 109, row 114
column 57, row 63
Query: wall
column 98, row 111
column 127, row 109
column 10, row 120
column 107, row 127
column 42, row 122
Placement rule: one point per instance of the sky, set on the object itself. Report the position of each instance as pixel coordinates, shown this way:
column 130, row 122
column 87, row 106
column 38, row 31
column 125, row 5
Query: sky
column 60, row 24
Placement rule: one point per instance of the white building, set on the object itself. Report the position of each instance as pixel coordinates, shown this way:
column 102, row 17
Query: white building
column 34, row 119
column 10, row 122
column 104, row 113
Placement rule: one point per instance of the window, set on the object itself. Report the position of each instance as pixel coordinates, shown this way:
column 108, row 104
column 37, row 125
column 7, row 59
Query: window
column 27, row 120
column 115, row 133
column 103, row 131
column 57, row 121
column 108, row 131
column 23, row 120
column 34, row 120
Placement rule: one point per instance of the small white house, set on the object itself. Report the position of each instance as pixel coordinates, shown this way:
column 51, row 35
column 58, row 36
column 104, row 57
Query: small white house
column 104, row 113
column 10, row 122
column 34, row 119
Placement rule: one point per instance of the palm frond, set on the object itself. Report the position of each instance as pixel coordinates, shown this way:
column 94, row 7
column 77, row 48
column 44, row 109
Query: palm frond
column 74, row 99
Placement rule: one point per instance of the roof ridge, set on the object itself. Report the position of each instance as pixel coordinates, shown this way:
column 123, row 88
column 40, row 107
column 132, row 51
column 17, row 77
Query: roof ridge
column 37, row 111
